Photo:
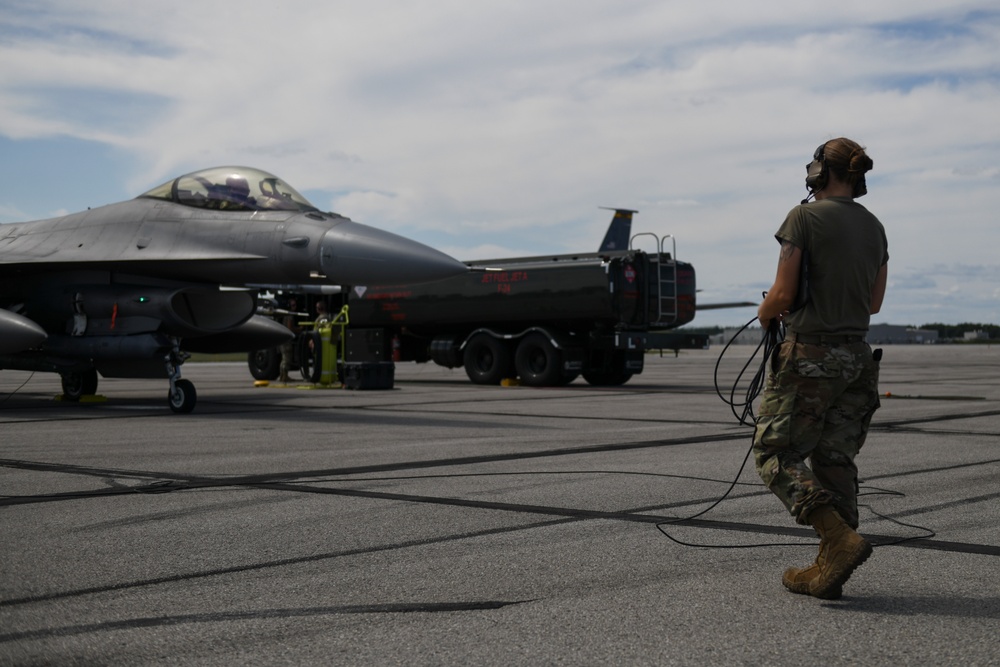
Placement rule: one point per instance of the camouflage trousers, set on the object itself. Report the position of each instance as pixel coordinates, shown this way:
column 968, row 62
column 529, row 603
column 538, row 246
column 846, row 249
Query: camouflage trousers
column 817, row 405
column 286, row 359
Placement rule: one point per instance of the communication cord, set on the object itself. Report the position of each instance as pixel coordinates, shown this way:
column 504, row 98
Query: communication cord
column 12, row 393
column 768, row 343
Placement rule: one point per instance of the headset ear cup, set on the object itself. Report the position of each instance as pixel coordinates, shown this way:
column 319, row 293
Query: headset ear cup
column 816, row 178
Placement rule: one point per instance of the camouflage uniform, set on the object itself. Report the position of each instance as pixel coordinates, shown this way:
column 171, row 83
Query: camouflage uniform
column 817, row 405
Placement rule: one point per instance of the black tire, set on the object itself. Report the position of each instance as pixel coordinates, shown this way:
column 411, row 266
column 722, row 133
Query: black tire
column 487, row 360
column 77, row 384
column 183, row 397
column 568, row 379
column 538, row 362
column 311, row 356
column 265, row 364
column 607, row 378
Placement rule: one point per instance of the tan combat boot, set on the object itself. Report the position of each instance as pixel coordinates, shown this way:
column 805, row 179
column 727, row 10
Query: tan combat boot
column 841, row 550
column 797, row 580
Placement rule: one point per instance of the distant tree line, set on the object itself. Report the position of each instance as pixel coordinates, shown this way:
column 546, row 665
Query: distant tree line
column 945, row 331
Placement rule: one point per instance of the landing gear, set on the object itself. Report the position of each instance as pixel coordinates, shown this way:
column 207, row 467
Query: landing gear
column 77, row 384
column 182, row 395
column 265, row 364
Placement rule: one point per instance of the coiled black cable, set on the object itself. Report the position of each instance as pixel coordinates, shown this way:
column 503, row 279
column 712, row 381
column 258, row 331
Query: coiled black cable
column 773, row 336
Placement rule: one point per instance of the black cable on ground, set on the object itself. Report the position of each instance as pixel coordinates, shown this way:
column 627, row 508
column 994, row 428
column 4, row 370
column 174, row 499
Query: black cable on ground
column 11, row 394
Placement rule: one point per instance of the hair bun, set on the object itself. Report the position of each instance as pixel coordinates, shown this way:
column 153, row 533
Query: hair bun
column 860, row 162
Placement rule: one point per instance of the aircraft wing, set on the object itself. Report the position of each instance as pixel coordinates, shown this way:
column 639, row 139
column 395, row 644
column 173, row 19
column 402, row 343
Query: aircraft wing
column 718, row 306
column 127, row 236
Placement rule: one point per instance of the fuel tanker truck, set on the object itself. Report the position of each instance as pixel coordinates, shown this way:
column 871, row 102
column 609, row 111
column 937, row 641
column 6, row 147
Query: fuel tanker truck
column 544, row 320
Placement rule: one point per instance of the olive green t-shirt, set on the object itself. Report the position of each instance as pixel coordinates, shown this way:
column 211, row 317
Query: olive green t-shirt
column 846, row 246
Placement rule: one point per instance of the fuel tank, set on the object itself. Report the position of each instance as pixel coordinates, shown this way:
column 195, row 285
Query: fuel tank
column 629, row 289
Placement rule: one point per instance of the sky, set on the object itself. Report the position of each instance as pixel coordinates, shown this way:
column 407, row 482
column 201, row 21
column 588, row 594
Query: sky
column 497, row 129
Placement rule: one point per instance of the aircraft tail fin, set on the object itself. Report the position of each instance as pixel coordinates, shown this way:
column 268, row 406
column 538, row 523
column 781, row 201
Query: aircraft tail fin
column 618, row 231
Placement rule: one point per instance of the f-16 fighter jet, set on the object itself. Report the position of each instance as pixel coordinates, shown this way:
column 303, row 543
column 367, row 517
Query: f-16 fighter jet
column 129, row 289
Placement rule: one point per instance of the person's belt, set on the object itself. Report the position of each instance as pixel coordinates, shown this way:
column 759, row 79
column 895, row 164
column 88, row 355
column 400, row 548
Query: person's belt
column 823, row 339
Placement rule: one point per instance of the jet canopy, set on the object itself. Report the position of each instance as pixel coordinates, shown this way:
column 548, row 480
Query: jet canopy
column 232, row 189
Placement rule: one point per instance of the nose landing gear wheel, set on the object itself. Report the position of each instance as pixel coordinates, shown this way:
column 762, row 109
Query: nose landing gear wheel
column 182, row 396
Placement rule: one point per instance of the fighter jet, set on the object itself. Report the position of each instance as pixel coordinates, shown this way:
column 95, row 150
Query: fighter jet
column 130, row 289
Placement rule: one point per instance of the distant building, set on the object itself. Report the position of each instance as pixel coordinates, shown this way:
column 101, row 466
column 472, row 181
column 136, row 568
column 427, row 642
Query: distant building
column 888, row 334
column 749, row 336
column 976, row 335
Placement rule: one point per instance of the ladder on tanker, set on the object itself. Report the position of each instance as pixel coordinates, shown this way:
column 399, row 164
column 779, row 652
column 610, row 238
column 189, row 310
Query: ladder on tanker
column 666, row 282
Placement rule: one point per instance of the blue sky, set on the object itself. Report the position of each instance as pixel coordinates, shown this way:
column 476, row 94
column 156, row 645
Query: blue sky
column 495, row 129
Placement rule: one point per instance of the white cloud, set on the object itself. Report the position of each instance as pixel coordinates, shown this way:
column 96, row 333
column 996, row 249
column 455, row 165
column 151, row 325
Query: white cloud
column 502, row 126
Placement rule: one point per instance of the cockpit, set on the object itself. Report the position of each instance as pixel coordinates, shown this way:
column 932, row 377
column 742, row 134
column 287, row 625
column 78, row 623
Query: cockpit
column 232, row 189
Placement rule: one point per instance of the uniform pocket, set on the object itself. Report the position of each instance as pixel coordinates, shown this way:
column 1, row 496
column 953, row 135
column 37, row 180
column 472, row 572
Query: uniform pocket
column 817, row 362
column 774, row 420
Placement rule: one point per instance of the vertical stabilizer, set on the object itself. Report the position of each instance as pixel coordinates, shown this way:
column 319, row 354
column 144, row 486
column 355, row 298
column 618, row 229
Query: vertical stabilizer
column 618, row 231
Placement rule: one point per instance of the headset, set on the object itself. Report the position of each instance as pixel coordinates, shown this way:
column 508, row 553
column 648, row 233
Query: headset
column 818, row 174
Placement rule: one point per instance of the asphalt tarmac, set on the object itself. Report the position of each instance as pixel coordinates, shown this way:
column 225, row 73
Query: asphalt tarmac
column 442, row 523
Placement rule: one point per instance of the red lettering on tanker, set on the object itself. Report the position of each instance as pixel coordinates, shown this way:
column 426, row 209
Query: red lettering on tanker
column 504, row 279
column 389, row 295
column 629, row 273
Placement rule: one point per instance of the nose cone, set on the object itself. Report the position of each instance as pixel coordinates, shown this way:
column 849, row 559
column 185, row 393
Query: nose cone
column 355, row 254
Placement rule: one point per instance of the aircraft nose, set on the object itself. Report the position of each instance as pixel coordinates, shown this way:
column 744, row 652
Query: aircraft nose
column 356, row 254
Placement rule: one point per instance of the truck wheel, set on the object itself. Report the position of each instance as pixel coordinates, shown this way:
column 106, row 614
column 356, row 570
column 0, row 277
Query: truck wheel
column 77, row 384
column 265, row 364
column 607, row 378
column 538, row 362
column 487, row 360
column 568, row 379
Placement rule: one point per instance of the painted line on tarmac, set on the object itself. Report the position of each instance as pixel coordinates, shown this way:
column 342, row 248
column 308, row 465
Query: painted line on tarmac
column 226, row 617
column 580, row 514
